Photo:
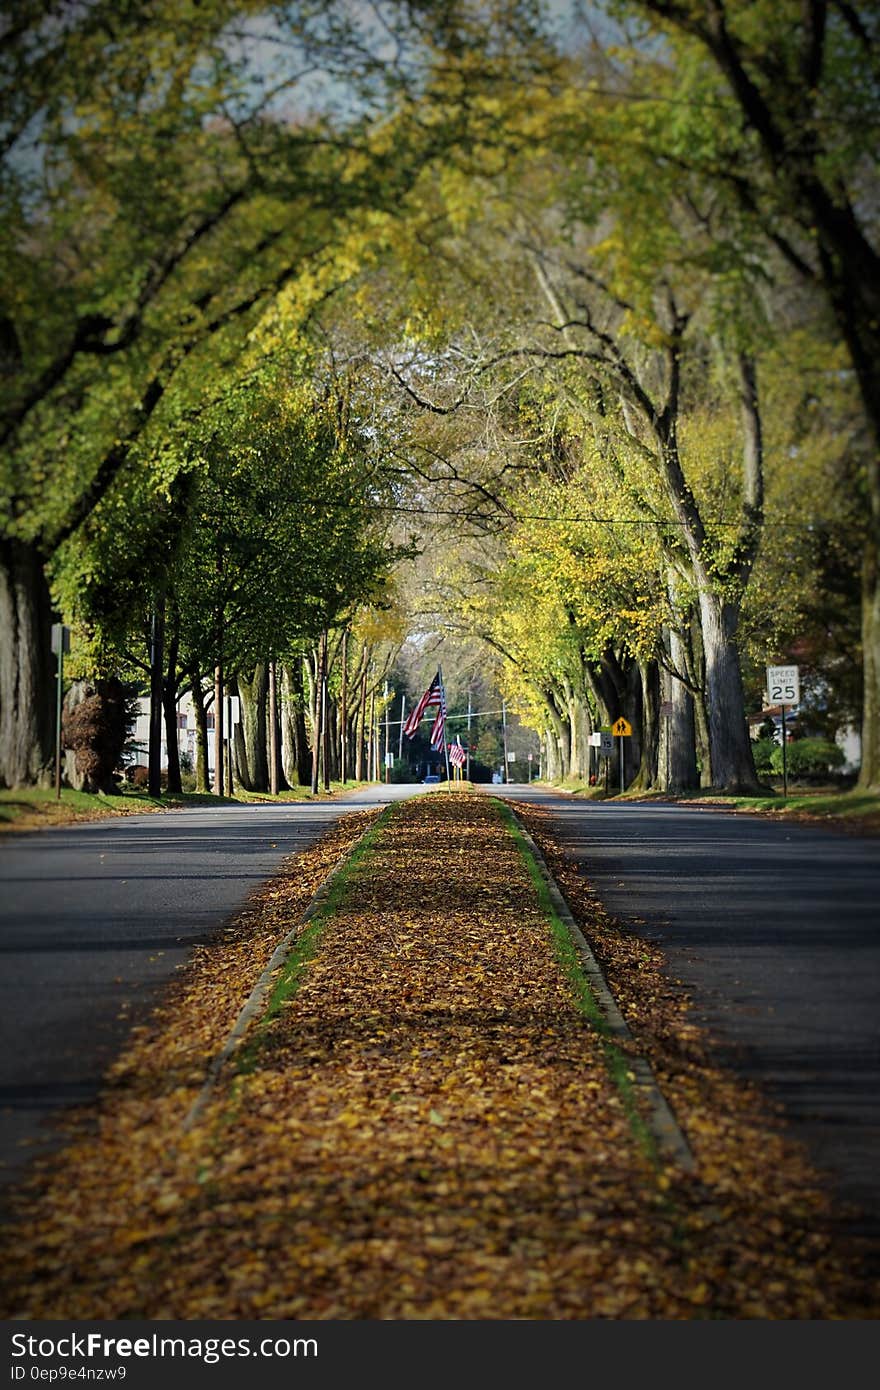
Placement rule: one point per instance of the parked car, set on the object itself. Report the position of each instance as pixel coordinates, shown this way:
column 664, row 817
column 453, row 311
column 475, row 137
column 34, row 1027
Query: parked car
column 431, row 777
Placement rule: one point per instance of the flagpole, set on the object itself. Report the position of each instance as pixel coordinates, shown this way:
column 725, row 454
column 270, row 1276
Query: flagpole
column 445, row 741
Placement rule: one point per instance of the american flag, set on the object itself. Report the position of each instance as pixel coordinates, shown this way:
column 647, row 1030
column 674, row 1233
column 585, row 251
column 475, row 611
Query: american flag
column 457, row 754
column 433, row 698
column 438, row 728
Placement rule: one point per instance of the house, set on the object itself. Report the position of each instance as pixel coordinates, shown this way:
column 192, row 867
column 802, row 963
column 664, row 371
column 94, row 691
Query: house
column 138, row 751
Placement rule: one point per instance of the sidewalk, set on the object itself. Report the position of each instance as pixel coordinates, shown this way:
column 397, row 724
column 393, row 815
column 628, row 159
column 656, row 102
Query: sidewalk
column 426, row 1122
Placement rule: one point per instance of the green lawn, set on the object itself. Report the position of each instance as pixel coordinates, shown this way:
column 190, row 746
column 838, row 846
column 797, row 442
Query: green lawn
column 30, row 807
column 819, row 802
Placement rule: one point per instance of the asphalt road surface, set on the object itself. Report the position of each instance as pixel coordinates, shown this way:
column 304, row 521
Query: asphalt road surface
column 96, row 917
column 774, row 929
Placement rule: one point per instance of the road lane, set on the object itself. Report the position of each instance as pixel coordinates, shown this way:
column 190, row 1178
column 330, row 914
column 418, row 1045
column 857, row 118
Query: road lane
column 774, row 929
column 96, row 917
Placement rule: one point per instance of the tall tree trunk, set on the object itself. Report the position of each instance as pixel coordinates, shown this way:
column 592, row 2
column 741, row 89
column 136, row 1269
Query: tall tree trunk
column 371, row 740
column 730, row 748
column 296, row 750
column 170, row 691
column 696, row 668
column 561, row 734
column 315, row 709
column 72, row 774
column 646, row 776
column 27, row 668
column 617, row 689
column 250, row 735
column 557, row 745
column 869, row 774
column 580, row 728
column 157, row 692
column 276, row 772
column 333, row 737
column 678, row 754
column 201, row 717
column 343, row 714
column 219, row 773
column 601, row 690
column 325, row 713
column 361, row 724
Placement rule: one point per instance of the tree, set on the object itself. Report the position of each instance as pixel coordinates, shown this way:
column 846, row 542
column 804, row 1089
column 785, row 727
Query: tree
column 802, row 163
column 623, row 315
column 151, row 221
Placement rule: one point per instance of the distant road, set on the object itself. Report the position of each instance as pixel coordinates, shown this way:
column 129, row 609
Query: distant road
column 95, row 918
column 775, row 930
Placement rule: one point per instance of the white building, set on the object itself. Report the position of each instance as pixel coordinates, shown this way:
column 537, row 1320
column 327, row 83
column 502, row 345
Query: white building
column 186, row 734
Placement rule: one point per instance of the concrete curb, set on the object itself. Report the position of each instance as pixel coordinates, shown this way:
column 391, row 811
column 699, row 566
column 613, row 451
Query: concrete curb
column 664, row 1127
column 256, row 1000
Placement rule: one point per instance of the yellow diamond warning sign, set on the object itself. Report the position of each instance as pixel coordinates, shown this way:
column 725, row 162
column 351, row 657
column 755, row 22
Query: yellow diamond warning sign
column 621, row 729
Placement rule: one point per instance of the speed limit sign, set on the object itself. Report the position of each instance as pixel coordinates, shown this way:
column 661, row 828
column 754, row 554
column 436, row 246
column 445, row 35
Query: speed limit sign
column 783, row 685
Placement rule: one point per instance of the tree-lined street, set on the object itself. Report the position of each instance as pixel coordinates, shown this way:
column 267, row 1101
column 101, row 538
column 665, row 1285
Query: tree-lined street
column 436, row 389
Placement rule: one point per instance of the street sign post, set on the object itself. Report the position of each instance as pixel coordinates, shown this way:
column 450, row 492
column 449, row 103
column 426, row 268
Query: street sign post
column 621, row 729
column 783, row 685
column 666, row 713
column 783, row 689
column 603, row 743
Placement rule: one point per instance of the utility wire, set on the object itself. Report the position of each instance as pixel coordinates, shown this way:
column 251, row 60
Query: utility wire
column 477, row 515
column 474, row 714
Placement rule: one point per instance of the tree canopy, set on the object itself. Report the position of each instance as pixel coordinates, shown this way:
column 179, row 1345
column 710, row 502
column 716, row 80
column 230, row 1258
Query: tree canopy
column 603, row 299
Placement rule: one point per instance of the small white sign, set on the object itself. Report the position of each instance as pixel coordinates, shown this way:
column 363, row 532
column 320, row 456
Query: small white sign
column 783, row 685
column 511, row 757
column 389, row 759
column 602, row 740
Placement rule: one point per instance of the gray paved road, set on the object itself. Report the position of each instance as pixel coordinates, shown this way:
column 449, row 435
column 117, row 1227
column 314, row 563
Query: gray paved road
column 775, row 931
column 95, row 918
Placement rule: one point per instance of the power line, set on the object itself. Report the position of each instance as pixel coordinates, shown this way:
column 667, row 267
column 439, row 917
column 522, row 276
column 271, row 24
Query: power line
column 474, row 714
column 476, row 515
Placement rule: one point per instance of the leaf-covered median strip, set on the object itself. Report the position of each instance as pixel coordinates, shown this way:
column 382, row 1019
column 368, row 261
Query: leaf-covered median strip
column 425, row 1127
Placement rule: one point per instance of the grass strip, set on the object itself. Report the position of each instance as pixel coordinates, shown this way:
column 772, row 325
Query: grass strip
column 324, row 908
column 585, row 1000
column 35, row 808
column 856, row 811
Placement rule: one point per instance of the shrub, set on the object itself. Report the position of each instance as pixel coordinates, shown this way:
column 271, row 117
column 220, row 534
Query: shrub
column 400, row 772
column 96, row 729
column 139, row 776
column 809, row 757
column 763, row 750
